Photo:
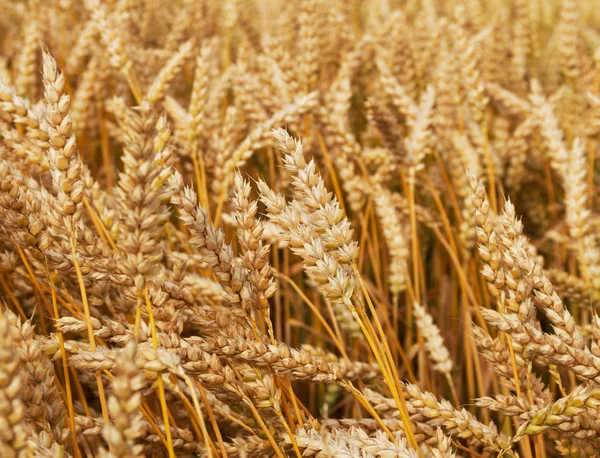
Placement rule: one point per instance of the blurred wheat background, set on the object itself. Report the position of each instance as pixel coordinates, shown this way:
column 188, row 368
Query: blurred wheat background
column 327, row 228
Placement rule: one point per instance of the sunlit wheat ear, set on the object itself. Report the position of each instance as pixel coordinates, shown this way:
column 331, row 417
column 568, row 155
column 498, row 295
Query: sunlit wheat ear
column 14, row 440
column 123, row 406
column 67, row 167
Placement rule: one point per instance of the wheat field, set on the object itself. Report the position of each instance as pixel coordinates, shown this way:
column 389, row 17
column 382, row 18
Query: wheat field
column 307, row 228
